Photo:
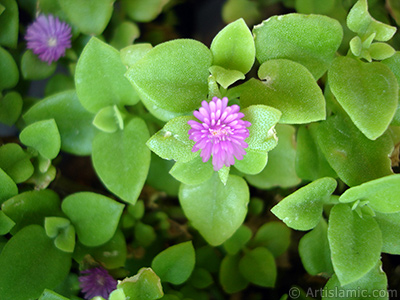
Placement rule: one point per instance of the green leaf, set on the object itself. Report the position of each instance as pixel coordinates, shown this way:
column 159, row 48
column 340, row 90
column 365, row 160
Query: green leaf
column 9, row 21
column 274, row 236
column 25, row 270
column 109, row 119
column 59, row 83
column 94, row 216
column 262, row 135
column 130, row 55
column 302, row 209
column 252, row 163
column 9, row 74
column 394, row 65
column 51, row 295
column 124, row 35
column 6, row 223
column 91, row 16
column 33, row 68
column 368, row 92
column 172, row 141
column 258, row 266
column 125, row 151
column 111, row 254
column 289, row 87
column 355, row 158
column 379, row 51
column 389, row 224
column 314, row 6
column 73, row 121
column 160, row 177
column 15, row 162
column 193, row 172
column 63, row 232
column 238, row 240
column 311, row 40
column 225, row 77
column 311, row 163
column 355, row 243
column 280, row 170
column 31, row 207
column 8, row 187
column 175, row 264
column 381, row 194
column 314, row 250
column 99, row 77
column 214, row 209
column 143, row 11
column 201, row 278
column 42, row 136
column 172, row 78
column 372, row 285
column 10, row 108
column 230, row 277
column 145, row 285
column 235, row 9
column 145, row 234
column 233, row 47
column 360, row 21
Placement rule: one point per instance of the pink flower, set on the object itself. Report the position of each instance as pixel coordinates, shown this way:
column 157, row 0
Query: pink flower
column 97, row 282
column 221, row 132
column 48, row 38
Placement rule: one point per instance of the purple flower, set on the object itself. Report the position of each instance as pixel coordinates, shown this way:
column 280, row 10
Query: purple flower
column 48, row 38
column 97, row 282
column 221, row 132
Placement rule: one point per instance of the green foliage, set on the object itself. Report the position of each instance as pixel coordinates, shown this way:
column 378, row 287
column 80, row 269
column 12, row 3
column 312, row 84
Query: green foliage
column 10, row 108
column 31, row 207
column 33, row 68
column 372, row 105
column 25, row 271
column 143, row 11
column 9, row 74
column 90, row 17
column 9, row 188
column 99, row 78
column 233, row 47
column 302, row 209
column 175, row 264
column 94, row 216
column 145, row 285
column 359, row 236
column 132, row 160
column 274, row 236
column 9, row 23
column 214, row 209
column 73, row 121
column 289, row 87
column 310, row 40
column 171, row 78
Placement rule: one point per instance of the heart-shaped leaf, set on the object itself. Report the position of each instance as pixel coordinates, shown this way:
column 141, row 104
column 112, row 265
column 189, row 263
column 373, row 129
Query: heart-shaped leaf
column 172, row 77
column 288, row 87
column 233, row 47
column 302, row 209
column 355, row 243
column 25, row 270
column 42, row 136
column 311, row 40
column 214, row 209
column 9, row 22
column 15, row 162
column 9, row 74
column 125, row 151
column 368, row 92
column 94, row 216
column 8, row 187
column 10, row 108
column 381, row 194
column 175, row 264
column 145, row 285
column 99, row 78
column 389, row 225
column 91, row 16
column 33, row 68
column 73, row 121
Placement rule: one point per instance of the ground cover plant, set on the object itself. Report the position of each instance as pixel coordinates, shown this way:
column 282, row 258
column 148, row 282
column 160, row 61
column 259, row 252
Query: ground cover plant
column 141, row 159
